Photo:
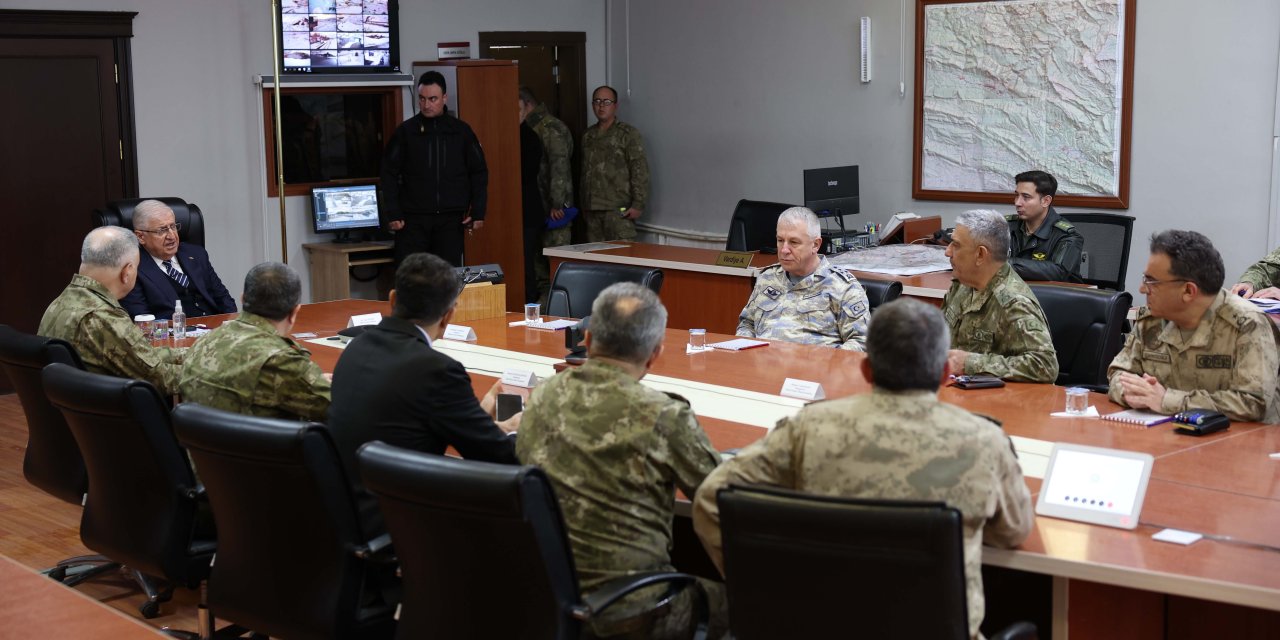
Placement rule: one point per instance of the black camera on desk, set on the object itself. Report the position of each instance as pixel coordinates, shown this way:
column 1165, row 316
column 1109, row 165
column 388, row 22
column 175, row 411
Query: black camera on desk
column 573, row 337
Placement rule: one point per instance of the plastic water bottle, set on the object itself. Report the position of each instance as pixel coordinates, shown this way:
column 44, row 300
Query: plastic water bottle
column 179, row 321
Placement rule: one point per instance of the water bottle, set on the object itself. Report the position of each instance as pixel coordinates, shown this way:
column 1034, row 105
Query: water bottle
column 179, row 321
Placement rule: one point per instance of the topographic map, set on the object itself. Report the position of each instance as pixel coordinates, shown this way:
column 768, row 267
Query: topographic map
column 1028, row 84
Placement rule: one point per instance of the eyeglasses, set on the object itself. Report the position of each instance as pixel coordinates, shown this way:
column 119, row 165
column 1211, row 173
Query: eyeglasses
column 164, row 231
column 603, row 102
column 1148, row 281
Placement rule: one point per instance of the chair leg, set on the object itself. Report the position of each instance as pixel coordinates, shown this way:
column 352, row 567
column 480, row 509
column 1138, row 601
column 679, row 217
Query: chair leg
column 156, row 591
column 73, row 571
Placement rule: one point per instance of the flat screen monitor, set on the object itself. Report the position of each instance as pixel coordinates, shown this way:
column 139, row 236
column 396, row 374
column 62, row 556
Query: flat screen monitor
column 342, row 210
column 832, row 191
column 339, row 36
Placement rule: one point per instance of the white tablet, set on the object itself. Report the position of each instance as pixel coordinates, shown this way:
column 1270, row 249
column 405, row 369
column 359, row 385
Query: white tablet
column 1095, row 485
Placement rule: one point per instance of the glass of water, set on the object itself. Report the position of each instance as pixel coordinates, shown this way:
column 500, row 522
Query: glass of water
column 1077, row 401
column 697, row 339
column 533, row 312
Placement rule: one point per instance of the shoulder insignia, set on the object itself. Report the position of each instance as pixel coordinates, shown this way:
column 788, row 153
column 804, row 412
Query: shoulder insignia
column 843, row 273
column 1064, row 225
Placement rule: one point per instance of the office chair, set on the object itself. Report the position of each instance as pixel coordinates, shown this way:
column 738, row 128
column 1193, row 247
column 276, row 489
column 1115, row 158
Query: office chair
column 844, row 567
column 145, row 506
column 52, row 461
column 575, row 285
column 1087, row 330
column 501, row 525
column 120, row 214
column 754, row 225
column 880, row 291
column 1107, row 237
column 293, row 561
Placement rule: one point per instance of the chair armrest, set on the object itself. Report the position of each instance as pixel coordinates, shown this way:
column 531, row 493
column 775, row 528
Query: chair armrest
column 614, row 590
column 377, row 550
column 195, row 493
column 1017, row 631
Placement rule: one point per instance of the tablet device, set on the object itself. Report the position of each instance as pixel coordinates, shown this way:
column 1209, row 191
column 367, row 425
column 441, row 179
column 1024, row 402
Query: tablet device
column 1095, row 485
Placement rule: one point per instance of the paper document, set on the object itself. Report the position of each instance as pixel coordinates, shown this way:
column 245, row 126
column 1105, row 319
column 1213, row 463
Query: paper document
column 738, row 344
column 554, row 325
column 896, row 259
column 592, row 246
column 1266, row 305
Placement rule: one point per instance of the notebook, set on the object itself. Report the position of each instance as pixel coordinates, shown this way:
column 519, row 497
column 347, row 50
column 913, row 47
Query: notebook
column 738, row 344
column 1137, row 416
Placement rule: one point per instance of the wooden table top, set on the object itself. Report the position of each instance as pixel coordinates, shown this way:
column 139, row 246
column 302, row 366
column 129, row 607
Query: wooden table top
column 33, row 606
column 1223, row 485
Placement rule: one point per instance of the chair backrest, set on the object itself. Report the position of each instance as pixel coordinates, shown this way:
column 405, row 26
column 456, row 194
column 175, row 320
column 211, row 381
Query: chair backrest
column 500, row 525
column 841, row 567
column 1106, row 242
column 754, row 225
column 52, row 461
column 287, row 526
column 880, row 291
column 142, row 506
column 576, row 285
column 120, row 214
column 1086, row 326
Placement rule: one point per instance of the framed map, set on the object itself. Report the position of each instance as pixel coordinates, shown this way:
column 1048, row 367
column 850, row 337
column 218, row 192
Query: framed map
column 1004, row 87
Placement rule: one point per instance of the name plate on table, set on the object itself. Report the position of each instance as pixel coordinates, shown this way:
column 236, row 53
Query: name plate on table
column 519, row 378
column 365, row 320
column 802, row 389
column 459, row 332
column 740, row 259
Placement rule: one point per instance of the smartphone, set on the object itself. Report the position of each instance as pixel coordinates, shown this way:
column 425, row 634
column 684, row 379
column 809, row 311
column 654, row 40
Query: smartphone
column 509, row 404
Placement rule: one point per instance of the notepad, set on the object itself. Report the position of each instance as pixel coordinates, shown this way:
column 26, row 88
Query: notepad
column 1136, row 416
column 738, row 344
column 554, row 325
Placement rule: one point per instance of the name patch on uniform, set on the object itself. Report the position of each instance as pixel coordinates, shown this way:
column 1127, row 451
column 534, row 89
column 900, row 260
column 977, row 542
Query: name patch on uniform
column 1156, row 356
column 740, row 259
column 1215, row 361
column 772, row 292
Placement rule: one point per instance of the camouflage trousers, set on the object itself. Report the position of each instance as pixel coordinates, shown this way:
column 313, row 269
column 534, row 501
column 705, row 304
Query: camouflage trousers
column 542, row 266
column 677, row 621
column 608, row 225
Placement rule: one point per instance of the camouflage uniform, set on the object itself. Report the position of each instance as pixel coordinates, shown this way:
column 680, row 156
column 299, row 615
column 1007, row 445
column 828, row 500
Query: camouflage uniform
column 244, row 366
column 86, row 315
column 1003, row 328
column 827, row 307
column 1264, row 273
column 615, row 177
column 555, row 182
column 1227, row 364
column 889, row 445
column 615, row 451
column 1051, row 253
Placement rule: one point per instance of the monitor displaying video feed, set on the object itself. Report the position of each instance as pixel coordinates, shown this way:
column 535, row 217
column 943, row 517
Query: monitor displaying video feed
column 342, row 210
column 339, row 36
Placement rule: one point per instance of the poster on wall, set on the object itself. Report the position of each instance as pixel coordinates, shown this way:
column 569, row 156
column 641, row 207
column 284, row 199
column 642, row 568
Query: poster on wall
column 1006, row 87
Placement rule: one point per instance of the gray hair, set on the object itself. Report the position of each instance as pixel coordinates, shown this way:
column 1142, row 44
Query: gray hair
column 989, row 229
column 907, row 345
column 108, row 247
column 804, row 217
column 628, row 322
column 272, row 290
column 144, row 211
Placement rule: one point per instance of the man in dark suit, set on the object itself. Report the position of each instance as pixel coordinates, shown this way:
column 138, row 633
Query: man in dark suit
column 391, row 385
column 170, row 271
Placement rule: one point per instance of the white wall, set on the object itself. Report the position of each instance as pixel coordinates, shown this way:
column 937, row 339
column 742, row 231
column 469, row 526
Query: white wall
column 736, row 97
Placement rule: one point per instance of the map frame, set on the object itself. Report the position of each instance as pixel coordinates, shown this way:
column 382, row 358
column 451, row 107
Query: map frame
column 1117, row 200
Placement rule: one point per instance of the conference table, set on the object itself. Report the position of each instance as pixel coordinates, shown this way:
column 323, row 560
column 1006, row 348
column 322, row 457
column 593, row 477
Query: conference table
column 1222, row 485
column 35, row 607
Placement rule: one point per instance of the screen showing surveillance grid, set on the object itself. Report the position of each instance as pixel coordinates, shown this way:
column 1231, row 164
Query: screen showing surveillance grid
column 338, row 208
column 331, row 34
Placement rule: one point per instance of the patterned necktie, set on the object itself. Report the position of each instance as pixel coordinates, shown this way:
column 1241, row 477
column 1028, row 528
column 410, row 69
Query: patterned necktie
column 178, row 276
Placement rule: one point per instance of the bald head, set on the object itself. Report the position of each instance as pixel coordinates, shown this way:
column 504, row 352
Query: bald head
column 110, row 256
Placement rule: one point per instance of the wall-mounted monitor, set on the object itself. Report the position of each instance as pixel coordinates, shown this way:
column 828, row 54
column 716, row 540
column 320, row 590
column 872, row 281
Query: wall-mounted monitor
column 832, row 191
column 339, row 36
column 342, row 210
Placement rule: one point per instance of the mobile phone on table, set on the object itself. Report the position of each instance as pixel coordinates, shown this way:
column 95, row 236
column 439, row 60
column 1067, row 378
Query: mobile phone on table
column 509, row 404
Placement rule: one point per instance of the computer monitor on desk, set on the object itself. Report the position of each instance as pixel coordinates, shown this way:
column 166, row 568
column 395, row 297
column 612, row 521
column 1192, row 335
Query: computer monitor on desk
column 341, row 210
column 832, row 191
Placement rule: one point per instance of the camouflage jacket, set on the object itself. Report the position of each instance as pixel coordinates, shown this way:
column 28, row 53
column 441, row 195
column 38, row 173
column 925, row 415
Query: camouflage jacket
column 615, row 173
column 827, row 307
column 244, row 366
column 1228, row 364
column 1003, row 328
column 86, row 315
column 1051, row 253
column 615, row 451
column 1264, row 273
column 889, row 445
column 555, row 175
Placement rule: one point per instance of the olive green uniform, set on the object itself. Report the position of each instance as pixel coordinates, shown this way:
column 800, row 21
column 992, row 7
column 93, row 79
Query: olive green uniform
column 1003, row 328
column 555, row 183
column 1264, row 273
column 615, row 177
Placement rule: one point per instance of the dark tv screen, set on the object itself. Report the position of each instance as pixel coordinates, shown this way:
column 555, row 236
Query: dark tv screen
column 339, row 36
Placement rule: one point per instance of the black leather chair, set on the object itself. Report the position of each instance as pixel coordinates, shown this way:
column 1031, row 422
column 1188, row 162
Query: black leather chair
column 576, row 285
column 1087, row 328
column 754, row 225
column 844, row 568
column 461, row 527
column 293, row 561
column 144, row 508
column 1107, row 237
column 120, row 214
column 880, row 291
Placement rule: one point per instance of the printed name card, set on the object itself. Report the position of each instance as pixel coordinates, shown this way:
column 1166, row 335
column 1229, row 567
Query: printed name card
column 741, row 259
column 519, row 378
column 459, row 332
column 365, row 320
column 802, row 389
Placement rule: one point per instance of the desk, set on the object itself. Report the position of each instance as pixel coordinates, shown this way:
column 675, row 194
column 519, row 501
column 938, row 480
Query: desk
column 331, row 264
column 1221, row 485
column 33, row 606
